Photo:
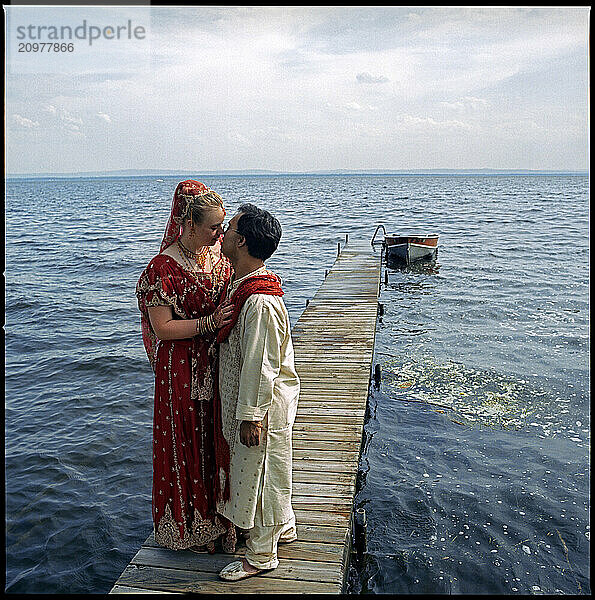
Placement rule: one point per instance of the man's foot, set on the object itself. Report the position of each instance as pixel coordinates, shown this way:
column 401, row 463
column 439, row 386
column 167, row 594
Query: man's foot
column 240, row 569
column 289, row 535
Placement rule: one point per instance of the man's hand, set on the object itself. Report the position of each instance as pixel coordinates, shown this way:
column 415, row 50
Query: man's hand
column 250, row 433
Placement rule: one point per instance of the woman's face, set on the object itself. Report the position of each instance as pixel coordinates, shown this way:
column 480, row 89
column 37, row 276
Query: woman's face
column 211, row 228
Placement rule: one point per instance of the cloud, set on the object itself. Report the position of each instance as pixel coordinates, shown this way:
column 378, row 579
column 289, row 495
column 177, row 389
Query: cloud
column 58, row 118
column 24, row 122
column 105, row 117
column 367, row 78
column 238, row 138
column 68, row 119
column 357, row 106
column 429, row 123
column 466, row 103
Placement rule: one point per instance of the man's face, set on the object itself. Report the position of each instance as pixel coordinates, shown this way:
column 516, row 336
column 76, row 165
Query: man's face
column 231, row 237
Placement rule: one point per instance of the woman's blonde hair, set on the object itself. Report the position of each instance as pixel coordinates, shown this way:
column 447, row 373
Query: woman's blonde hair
column 198, row 204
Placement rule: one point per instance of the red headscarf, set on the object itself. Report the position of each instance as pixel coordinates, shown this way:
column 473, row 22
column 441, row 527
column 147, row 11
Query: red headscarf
column 180, row 209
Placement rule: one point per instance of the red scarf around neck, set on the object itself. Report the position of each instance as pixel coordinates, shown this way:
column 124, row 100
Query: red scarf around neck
column 267, row 283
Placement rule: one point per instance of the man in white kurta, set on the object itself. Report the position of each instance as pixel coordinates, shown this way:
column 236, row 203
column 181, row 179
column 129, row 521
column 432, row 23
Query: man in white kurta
column 259, row 389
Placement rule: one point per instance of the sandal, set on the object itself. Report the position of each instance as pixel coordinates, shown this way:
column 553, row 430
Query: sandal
column 235, row 571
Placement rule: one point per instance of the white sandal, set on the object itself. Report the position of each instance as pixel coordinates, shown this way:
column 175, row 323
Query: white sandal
column 235, row 571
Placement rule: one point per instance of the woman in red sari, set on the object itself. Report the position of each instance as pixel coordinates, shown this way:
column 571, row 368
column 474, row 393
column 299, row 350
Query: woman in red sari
column 178, row 296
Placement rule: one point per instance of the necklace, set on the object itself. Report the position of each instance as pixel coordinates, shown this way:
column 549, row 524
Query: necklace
column 189, row 253
column 195, row 260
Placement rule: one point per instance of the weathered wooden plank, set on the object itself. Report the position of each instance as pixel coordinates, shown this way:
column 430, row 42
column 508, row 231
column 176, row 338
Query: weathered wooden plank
column 300, row 569
column 304, row 476
column 325, row 466
column 340, row 455
column 330, row 419
column 330, row 384
column 123, row 589
column 182, row 581
column 345, row 412
column 300, row 440
column 331, row 327
column 338, row 390
column 354, row 394
column 331, row 490
column 343, row 370
column 335, row 390
column 333, row 405
column 349, row 428
column 322, row 504
column 331, row 377
column 305, row 443
column 321, row 517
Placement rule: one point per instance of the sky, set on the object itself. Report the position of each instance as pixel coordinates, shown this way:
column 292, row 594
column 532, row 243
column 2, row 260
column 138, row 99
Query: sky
column 297, row 88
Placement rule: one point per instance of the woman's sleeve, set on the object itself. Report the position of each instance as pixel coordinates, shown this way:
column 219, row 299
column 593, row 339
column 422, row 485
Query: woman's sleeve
column 155, row 287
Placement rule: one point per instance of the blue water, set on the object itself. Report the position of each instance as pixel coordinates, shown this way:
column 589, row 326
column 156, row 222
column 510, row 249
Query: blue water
column 475, row 470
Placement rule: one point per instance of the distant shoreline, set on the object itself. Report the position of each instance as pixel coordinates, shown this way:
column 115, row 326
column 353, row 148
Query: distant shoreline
column 130, row 173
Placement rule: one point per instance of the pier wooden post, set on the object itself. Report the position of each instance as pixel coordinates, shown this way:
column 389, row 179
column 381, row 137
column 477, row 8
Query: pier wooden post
column 334, row 344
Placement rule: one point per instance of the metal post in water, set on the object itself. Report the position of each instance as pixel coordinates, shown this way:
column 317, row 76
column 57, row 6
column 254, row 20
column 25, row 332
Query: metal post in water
column 360, row 535
column 377, row 376
column 338, row 249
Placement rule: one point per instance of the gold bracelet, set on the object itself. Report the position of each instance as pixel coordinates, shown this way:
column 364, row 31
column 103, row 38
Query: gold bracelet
column 205, row 325
column 200, row 326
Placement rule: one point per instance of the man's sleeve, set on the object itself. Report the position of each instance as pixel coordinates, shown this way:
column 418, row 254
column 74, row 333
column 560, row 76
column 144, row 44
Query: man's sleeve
column 261, row 358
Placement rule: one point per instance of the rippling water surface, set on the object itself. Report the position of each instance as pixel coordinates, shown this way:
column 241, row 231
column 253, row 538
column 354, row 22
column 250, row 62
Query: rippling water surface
column 476, row 456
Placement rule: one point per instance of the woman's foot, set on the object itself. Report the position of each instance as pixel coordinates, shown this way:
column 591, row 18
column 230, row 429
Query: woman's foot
column 210, row 548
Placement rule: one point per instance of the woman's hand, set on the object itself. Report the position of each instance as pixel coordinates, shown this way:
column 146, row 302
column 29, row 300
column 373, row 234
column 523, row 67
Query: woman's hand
column 222, row 314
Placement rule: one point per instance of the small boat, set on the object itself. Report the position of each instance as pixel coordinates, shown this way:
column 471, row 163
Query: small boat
column 409, row 248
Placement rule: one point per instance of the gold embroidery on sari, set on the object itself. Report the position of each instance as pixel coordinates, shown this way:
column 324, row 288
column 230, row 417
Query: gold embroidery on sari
column 201, row 532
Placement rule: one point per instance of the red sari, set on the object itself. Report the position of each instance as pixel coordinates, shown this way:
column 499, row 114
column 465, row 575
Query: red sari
column 186, row 424
column 185, row 478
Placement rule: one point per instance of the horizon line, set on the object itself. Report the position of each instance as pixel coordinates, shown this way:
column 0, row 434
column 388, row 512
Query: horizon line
column 174, row 172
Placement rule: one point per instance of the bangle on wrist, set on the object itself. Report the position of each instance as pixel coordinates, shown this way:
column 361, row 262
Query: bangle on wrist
column 205, row 325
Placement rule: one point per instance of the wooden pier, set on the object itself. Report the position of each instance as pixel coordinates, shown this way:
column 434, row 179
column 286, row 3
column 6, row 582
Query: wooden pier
column 334, row 344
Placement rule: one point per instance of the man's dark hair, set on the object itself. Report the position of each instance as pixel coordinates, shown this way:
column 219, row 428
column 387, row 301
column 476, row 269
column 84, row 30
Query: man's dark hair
column 261, row 230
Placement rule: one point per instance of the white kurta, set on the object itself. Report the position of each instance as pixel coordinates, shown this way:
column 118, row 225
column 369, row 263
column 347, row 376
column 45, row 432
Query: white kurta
column 258, row 381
